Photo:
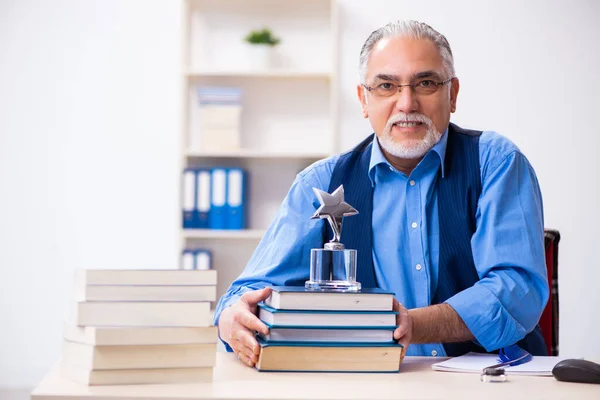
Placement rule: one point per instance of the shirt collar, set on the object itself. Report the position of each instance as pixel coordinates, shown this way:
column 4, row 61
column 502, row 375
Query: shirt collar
column 377, row 156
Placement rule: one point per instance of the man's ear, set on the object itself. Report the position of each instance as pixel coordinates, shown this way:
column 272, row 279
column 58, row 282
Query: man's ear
column 454, row 94
column 362, row 97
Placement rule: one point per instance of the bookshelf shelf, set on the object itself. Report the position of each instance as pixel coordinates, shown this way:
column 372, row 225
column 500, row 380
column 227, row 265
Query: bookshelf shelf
column 258, row 154
column 246, row 234
column 259, row 74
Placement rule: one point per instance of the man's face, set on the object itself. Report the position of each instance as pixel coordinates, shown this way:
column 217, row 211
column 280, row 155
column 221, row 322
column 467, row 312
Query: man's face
column 408, row 123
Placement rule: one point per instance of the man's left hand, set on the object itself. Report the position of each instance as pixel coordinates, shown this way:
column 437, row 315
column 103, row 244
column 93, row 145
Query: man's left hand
column 404, row 331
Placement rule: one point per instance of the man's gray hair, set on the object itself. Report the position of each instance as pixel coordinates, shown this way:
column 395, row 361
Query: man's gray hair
column 412, row 29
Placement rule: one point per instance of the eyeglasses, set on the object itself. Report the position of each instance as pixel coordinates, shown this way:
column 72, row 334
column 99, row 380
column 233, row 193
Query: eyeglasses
column 422, row 87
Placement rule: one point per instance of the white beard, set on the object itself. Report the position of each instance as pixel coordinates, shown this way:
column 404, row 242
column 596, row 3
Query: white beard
column 413, row 148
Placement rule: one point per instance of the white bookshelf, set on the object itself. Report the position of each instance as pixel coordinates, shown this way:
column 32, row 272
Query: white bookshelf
column 258, row 154
column 245, row 234
column 274, row 74
column 289, row 111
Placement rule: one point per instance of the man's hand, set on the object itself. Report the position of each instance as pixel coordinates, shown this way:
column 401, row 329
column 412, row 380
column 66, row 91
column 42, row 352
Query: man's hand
column 238, row 323
column 404, row 331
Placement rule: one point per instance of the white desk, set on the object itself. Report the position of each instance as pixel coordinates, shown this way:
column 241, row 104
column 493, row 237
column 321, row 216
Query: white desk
column 416, row 380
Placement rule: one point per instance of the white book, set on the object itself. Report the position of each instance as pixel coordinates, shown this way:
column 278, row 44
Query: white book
column 316, row 318
column 299, row 298
column 329, row 335
column 125, row 357
column 220, row 116
column 145, row 293
column 121, row 336
column 130, row 313
column 145, row 277
column 135, row 376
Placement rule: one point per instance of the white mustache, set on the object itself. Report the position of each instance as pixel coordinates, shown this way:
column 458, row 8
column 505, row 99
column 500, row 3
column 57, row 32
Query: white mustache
column 402, row 117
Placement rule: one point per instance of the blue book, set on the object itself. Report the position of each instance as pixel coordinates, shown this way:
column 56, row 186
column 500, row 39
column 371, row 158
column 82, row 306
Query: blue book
column 328, row 357
column 299, row 298
column 236, row 198
column 218, row 196
column 325, row 318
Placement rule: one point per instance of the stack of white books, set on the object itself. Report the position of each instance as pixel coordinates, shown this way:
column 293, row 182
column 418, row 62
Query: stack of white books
column 140, row 326
column 219, row 119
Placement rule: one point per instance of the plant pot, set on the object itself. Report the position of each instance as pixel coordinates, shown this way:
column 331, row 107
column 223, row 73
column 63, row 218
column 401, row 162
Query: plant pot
column 259, row 57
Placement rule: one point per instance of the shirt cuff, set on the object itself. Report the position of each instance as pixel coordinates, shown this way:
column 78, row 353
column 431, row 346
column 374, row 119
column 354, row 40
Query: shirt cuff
column 486, row 317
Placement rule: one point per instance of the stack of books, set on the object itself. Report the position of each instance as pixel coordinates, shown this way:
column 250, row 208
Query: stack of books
column 140, row 326
column 219, row 119
column 328, row 331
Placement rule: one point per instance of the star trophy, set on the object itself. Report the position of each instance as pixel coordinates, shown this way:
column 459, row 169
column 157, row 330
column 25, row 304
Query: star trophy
column 333, row 268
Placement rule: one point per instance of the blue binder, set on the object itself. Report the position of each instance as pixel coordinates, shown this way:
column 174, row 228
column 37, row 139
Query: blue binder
column 218, row 199
column 202, row 209
column 202, row 259
column 188, row 198
column 236, row 183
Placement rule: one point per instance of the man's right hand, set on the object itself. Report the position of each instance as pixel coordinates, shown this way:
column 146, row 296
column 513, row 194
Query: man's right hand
column 238, row 323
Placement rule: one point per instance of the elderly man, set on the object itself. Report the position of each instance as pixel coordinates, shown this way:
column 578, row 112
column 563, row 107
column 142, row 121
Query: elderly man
column 452, row 217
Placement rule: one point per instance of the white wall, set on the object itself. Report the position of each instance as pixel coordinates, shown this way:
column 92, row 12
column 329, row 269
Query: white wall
column 89, row 141
column 89, row 167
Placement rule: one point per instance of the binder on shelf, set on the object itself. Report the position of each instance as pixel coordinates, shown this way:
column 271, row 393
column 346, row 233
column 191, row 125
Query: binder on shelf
column 202, row 209
column 202, row 259
column 236, row 178
column 187, row 259
column 189, row 197
column 218, row 199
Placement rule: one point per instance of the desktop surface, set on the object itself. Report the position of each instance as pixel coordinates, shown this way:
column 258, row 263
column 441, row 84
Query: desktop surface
column 416, row 380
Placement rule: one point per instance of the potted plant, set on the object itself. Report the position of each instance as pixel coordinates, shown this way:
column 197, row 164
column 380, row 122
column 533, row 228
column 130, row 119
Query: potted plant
column 261, row 43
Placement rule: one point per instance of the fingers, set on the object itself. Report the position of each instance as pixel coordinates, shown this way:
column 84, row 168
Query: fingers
column 246, row 360
column 243, row 354
column 250, row 321
column 403, row 332
column 251, row 345
column 240, row 323
column 253, row 297
column 245, row 347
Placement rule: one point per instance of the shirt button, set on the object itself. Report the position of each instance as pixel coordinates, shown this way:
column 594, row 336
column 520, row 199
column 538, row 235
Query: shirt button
column 414, row 224
column 412, row 183
column 433, row 353
column 418, row 267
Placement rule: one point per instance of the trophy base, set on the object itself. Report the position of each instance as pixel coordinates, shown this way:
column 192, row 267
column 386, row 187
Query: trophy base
column 335, row 286
column 333, row 270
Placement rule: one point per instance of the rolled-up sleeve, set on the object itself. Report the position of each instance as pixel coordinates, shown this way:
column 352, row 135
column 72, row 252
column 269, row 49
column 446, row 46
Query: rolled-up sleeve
column 508, row 251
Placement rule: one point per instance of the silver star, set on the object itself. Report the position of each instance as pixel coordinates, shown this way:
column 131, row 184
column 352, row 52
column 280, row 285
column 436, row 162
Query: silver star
column 334, row 209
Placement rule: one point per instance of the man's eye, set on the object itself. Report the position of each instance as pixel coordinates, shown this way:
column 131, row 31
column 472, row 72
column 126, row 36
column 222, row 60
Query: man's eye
column 385, row 86
column 427, row 83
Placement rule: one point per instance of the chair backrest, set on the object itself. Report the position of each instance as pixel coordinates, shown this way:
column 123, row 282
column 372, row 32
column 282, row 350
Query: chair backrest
column 549, row 318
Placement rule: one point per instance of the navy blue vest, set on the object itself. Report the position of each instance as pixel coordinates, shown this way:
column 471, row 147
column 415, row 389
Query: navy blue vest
column 458, row 194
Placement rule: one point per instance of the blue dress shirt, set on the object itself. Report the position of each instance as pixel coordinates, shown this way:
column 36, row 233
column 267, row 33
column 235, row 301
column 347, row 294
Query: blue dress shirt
column 508, row 247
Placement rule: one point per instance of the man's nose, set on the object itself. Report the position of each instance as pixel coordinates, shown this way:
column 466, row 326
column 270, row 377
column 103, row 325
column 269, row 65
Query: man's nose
column 406, row 101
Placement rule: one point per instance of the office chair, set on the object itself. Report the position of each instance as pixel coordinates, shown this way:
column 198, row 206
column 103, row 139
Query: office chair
column 549, row 319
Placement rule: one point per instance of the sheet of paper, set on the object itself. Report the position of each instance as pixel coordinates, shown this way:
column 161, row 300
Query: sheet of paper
column 476, row 362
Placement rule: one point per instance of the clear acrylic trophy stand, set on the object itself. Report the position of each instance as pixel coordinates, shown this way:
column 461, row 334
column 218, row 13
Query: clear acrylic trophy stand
column 333, row 268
